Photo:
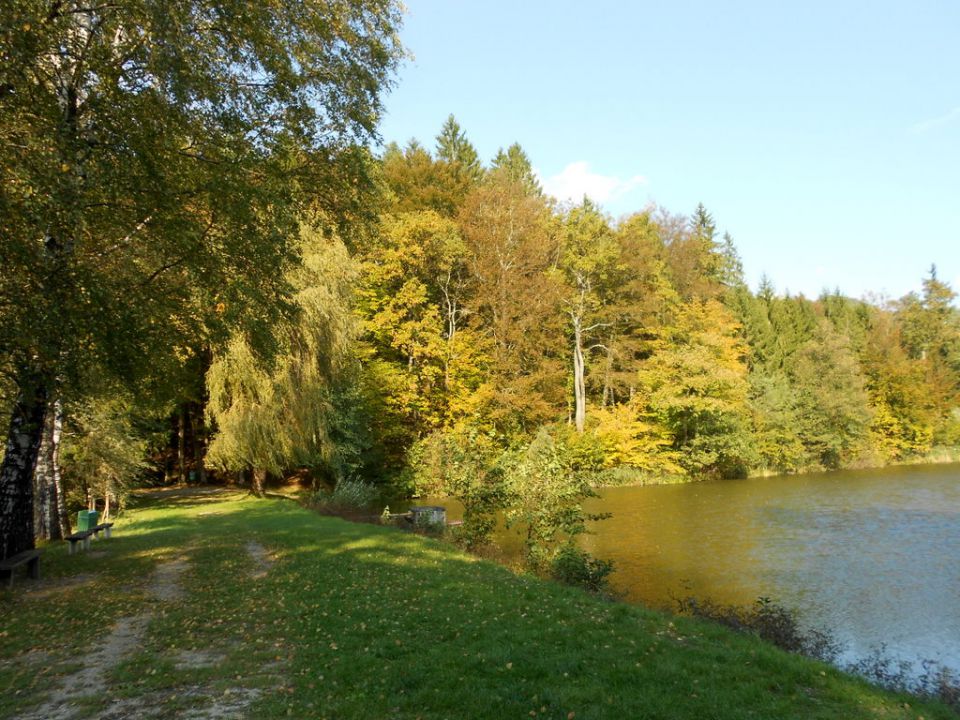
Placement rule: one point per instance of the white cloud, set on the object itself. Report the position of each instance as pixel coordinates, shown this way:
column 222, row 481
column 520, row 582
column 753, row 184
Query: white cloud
column 577, row 180
column 934, row 123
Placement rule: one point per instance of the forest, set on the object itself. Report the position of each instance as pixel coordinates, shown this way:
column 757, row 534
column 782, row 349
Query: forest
column 198, row 286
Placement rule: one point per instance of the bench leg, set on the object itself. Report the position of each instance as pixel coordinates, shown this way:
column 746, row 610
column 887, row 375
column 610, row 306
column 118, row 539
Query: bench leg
column 86, row 543
column 34, row 568
column 107, row 533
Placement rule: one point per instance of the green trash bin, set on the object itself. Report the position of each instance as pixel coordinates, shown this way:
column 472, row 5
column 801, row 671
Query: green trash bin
column 86, row 519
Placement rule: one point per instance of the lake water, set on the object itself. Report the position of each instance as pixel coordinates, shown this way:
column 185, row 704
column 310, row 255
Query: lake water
column 873, row 556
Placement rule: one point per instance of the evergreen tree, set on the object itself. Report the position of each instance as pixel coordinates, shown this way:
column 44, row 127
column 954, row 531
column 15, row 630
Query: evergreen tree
column 515, row 163
column 456, row 151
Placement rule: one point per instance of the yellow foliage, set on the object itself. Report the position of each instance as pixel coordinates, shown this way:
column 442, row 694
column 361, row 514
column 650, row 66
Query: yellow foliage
column 628, row 437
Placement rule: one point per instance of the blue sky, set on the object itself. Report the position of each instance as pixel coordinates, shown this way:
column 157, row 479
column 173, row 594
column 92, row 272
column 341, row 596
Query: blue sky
column 824, row 136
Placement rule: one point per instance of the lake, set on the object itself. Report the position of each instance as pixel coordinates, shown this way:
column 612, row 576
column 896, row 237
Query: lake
column 873, row 556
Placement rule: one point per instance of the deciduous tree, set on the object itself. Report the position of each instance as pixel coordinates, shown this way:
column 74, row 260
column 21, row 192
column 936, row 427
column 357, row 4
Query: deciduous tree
column 157, row 155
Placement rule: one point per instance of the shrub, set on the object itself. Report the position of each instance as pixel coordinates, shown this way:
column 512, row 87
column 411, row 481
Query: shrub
column 546, row 495
column 463, row 464
column 769, row 621
column 933, row 680
column 346, row 496
column 573, row 566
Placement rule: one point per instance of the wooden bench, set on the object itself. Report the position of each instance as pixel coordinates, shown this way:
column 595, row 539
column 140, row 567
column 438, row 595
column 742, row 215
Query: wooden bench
column 102, row 527
column 83, row 536
column 29, row 557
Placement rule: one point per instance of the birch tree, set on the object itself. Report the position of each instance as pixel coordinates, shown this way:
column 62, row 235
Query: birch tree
column 589, row 257
column 155, row 158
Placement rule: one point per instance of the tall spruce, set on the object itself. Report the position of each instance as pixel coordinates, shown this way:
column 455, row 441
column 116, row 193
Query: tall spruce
column 455, row 149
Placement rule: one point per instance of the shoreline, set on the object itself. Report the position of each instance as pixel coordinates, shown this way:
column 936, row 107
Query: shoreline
column 937, row 456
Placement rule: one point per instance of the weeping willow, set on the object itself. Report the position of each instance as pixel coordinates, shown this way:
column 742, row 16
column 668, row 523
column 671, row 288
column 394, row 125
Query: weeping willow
column 274, row 415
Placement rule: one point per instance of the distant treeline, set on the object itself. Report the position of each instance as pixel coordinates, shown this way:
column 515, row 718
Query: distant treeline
column 487, row 310
column 458, row 313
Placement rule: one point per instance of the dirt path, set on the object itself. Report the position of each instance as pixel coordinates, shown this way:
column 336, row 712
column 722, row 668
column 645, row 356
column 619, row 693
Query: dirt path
column 261, row 560
column 126, row 638
column 122, row 641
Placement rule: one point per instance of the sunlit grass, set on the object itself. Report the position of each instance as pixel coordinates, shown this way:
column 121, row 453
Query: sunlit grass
column 357, row 621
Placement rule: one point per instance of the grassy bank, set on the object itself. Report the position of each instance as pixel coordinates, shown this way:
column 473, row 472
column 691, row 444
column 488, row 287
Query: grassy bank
column 222, row 606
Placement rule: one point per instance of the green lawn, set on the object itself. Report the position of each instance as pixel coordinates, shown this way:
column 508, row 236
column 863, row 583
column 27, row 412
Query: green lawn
column 345, row 620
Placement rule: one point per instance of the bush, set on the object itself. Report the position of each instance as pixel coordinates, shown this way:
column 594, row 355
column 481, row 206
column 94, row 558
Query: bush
column 933, row 680
column 463, row 464
column 771, row 622
column 546, row 495
column 573, row 566
column 346, row 496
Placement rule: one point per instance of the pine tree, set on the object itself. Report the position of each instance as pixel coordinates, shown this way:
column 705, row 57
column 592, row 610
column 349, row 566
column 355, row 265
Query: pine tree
column 454, row 149
column 515, row 163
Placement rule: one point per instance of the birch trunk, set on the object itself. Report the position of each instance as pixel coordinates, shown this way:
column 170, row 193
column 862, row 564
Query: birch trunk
column 48, row 500
column 579, row 384
column 19, row 463
column 60, row 498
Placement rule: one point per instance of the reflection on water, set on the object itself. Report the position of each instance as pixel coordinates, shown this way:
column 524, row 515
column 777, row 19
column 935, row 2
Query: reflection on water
column 874, row 556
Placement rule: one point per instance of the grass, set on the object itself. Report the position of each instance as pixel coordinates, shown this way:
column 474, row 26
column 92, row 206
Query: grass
column 358, row 621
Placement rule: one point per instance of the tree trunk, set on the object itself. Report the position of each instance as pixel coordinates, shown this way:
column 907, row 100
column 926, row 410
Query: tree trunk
column 182, row 447
column 16, row 474
column 258, row 481
column 106, row 506
column 196, row 426
column 608, row 377
column 47, row 489
column 60, row 498
column 579, row 385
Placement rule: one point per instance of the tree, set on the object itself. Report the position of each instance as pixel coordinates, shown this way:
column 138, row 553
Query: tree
column 696, row 384
column 418, row 182
column 455, row 150
column 833, row 411
column 466, row 465
column 414, row 297
column 694, row 257
column 104, row 453
column 158, row 154
column 511, row 246
column 515, row 163
column 547, row 494
column 904, row 415
column 589, row 259
column 930, row 328
column 274, row 414
column 641, row 302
